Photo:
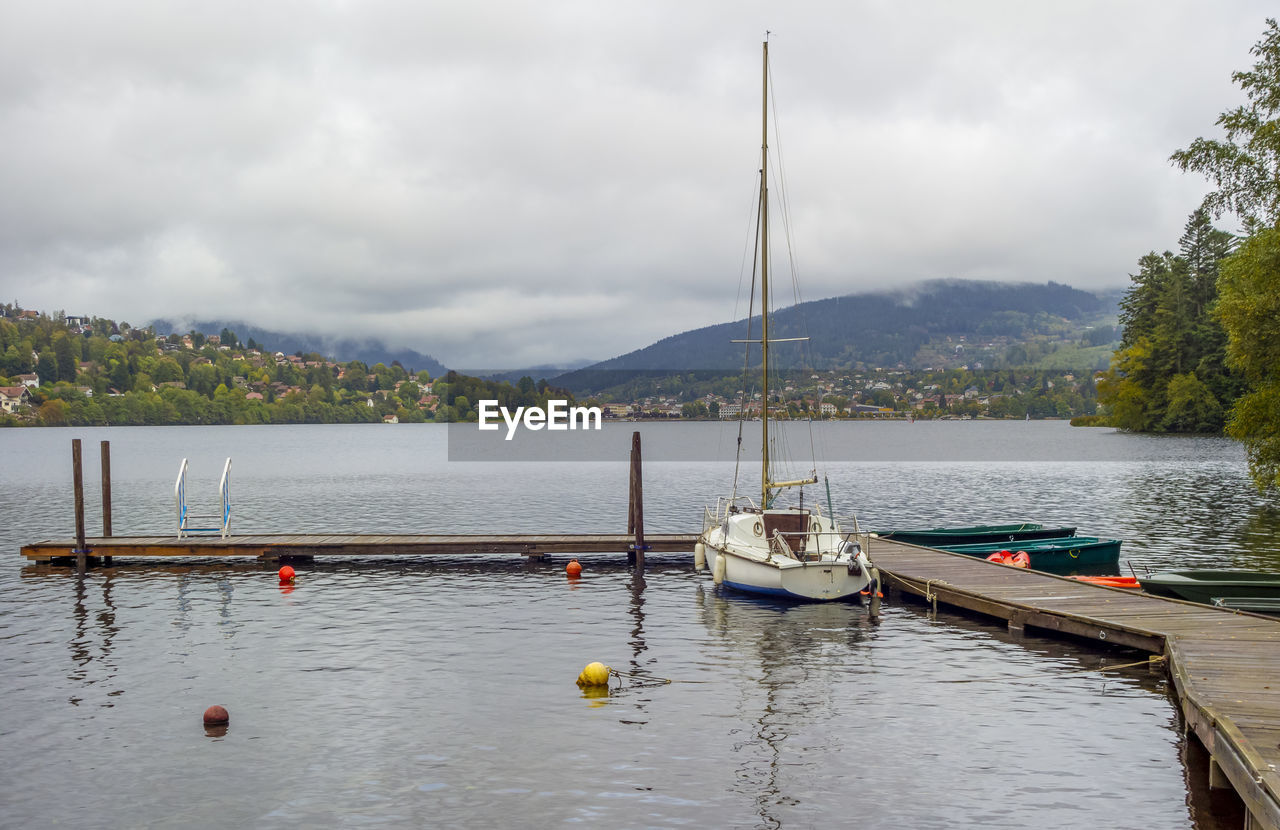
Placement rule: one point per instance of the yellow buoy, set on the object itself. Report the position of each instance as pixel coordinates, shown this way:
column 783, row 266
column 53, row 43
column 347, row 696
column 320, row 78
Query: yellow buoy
column 595, row 674
column 717, row 574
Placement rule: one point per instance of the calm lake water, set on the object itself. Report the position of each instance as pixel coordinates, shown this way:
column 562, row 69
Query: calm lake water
column 433, row 692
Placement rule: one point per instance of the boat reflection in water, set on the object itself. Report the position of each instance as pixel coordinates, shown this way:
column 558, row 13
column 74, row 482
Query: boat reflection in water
column 798, row 654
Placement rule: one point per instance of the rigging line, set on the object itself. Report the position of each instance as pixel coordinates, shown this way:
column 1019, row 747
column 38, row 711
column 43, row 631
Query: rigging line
column 746, row 361
column 779, row 168
column 749, row 239
column 752, row 218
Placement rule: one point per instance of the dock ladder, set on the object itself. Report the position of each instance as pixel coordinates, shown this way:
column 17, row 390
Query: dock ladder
column 184, row 517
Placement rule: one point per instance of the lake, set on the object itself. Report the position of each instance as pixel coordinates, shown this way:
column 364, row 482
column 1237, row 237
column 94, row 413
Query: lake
column 441, row 691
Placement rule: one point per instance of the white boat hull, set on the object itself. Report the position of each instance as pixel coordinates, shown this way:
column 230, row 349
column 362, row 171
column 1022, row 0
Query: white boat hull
column 830, row 571
column 804, row 580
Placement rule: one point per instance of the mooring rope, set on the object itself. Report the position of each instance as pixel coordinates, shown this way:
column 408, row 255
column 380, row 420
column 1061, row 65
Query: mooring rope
column 641, row 678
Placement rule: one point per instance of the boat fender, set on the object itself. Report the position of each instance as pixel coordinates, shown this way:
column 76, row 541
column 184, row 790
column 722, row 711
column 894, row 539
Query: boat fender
column 717, row 574
column 699, row 556
column 876, row 595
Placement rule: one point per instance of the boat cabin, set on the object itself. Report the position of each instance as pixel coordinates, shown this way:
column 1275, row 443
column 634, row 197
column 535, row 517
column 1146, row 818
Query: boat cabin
column 792, row 523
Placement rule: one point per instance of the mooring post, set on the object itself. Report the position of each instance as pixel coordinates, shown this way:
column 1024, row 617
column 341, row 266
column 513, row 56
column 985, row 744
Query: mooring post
column 106, row 494
column 77, row 478
column 635, row 517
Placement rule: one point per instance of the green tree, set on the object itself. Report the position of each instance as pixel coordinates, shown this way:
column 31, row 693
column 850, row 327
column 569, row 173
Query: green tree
column 1169, row 332
column 1249, row 307
column 1246, row 165
column 47, row 368
column 1191, row 406
column 65, row 357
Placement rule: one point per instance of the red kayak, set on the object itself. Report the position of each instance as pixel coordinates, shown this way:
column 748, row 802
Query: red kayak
column 1110, row 581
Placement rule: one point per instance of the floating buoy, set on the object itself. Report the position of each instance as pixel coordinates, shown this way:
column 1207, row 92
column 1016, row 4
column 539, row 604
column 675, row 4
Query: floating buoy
column 595, row 674
column 216, row 716
column 699, row 556
column 287, row 574
column 574, row 568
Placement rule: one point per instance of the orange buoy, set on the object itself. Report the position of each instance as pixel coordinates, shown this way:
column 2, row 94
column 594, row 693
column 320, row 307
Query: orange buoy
column 286, row 574
column 998, row 556
column 1021, row 559
column 574, row 568
column 216, row 716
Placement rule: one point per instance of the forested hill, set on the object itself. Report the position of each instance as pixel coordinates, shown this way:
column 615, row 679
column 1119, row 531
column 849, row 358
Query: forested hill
column 876, row 329
column 367, row 350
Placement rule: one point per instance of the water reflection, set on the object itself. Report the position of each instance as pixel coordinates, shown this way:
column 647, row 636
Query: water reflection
column 794, row 705
column 635, row 639
column 191, row 587
column 91, row 657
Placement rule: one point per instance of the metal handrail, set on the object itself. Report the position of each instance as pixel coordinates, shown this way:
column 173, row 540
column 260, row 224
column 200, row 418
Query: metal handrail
column 183, row 513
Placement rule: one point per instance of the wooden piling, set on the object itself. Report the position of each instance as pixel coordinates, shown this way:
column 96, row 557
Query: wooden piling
column 106, row 493
column 77, row 478
column 635, row 511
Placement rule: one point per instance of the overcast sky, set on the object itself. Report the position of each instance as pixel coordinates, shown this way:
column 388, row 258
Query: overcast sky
column 500, row 184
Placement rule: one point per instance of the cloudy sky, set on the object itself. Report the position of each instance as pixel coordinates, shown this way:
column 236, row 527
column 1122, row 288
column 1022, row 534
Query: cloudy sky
column 502, row 183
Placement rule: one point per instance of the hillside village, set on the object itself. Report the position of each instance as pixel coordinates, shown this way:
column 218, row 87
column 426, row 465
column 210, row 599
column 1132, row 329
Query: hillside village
column 71, row 369
column 64, row 369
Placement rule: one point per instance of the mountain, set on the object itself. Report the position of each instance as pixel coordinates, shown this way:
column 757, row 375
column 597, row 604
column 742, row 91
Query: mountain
column 368, row 350
column 542, row 370
column 875, row 329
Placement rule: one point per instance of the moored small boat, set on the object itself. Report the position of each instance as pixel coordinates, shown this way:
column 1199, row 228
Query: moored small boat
column 1207, row 586
column 1258, row 605
column 975, row 534
column 1065, row 554
column 1110, row 581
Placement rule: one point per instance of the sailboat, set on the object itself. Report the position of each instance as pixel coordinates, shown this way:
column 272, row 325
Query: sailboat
column 759, row 547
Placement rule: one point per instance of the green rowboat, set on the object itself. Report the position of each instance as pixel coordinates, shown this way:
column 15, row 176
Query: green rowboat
column 1069, row 554
column 1207, row 586
column 976, row 534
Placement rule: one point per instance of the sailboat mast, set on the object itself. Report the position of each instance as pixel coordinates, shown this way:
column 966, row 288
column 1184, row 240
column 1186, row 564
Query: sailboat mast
column 764, row 281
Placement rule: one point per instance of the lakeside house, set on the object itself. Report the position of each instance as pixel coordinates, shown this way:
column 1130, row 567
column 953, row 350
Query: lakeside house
column 13, row 398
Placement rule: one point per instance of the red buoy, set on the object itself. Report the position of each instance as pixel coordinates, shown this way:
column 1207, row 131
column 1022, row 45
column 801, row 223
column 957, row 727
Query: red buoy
column 286, row 574
column 215, row 716
column 574, row 568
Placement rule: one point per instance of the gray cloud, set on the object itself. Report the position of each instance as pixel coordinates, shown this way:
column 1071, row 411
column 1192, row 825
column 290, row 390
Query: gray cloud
column 511, row 183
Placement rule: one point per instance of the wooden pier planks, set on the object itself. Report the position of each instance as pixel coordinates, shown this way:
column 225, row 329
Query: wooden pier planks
column 1225, row 665
column 274, row 546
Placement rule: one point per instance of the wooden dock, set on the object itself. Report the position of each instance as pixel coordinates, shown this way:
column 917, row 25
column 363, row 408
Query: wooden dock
column 276, row 547
column 1225, row 665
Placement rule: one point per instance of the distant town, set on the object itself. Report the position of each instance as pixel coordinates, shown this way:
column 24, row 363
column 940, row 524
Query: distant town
column 60, row 369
